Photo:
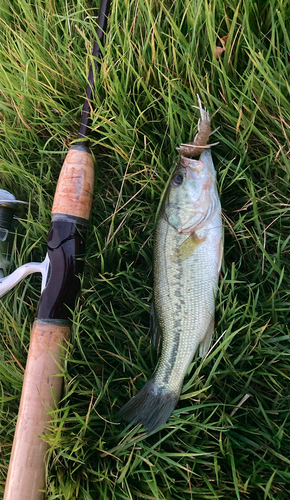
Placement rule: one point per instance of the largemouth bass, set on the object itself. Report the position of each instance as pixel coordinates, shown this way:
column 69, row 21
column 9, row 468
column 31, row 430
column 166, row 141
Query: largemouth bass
column 187, row 259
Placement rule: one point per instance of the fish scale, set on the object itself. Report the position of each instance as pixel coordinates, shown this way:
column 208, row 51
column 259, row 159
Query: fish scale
column 195, row 306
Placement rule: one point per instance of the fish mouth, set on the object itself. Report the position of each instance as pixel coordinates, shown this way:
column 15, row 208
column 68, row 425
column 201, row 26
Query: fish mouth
column 205, row 160
column 206, row 156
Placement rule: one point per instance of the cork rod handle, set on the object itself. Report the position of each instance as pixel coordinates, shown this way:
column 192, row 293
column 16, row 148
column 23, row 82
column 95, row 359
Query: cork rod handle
column 74, row 191
column 41, row 388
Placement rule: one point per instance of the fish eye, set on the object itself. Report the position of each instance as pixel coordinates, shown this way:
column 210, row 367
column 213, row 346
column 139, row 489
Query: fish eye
column 177, row 180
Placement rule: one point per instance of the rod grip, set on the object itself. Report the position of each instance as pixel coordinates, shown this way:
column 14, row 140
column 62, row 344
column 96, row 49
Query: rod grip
column 26, row 474
column 74, row 191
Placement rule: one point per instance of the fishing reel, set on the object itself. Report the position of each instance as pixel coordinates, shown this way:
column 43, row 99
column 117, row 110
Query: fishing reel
column 8, row 209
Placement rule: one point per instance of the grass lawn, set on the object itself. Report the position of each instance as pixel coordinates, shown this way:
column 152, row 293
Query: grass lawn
column 229, row 437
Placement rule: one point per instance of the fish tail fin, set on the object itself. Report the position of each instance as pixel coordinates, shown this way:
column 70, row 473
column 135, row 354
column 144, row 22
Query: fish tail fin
column 152, row 406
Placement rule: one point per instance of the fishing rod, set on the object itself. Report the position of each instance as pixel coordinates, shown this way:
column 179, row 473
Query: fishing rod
column 50, row 333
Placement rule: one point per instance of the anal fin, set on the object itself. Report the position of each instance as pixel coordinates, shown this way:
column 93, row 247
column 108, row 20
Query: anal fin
column 206, row 341
column 155, row 330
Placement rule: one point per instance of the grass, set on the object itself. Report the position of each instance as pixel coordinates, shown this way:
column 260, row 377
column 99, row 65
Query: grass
column 229, row 435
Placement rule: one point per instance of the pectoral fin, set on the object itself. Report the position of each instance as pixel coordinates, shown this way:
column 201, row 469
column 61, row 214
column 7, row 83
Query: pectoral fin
column 155, row 330
column 206, row 341
column 187, row 248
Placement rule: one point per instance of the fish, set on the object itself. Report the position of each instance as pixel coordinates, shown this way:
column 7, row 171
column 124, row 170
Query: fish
column 188, row 252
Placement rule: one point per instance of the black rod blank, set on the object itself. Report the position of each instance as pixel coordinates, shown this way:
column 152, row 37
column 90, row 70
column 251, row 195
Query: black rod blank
column 102, row 23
